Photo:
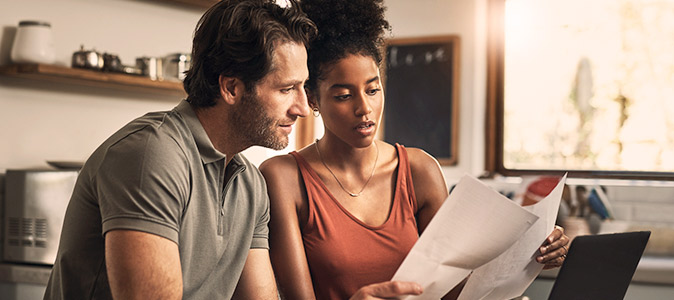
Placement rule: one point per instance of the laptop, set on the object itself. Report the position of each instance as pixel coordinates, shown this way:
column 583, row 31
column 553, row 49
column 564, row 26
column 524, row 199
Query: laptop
column 599, row 266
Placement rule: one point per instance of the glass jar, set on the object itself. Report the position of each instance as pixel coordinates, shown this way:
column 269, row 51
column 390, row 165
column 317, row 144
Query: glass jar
column 175, row 66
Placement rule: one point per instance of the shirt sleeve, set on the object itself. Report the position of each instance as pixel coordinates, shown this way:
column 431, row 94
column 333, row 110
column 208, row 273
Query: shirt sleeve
column 261, row 233
column 141, row 184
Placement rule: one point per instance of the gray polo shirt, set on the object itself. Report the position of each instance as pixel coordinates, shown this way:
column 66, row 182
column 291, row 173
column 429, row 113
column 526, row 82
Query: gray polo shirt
column 160, row 174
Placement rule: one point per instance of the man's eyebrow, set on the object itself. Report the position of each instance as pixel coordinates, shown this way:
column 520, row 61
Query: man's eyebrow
column 293, row 82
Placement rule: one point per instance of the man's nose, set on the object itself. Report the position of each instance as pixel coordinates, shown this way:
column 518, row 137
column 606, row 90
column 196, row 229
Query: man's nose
column 301, row 105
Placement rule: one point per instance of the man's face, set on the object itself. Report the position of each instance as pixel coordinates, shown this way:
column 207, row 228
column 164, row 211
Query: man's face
column 266, row 114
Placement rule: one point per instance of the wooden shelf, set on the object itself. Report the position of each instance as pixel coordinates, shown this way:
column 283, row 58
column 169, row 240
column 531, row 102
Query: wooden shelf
column 194, row 3
column 92, row 78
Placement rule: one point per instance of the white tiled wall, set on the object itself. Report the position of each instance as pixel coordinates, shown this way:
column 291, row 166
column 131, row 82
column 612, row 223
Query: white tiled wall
column 643, row 204
column 636, row 205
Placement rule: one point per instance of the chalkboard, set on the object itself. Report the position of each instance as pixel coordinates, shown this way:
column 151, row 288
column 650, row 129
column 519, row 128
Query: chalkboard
column 421, row 89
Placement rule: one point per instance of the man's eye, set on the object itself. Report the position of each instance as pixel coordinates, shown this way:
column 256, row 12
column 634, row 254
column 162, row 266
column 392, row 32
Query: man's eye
column 286, row 90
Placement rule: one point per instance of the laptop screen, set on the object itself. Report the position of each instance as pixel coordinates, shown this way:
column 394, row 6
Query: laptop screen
column 599, row 266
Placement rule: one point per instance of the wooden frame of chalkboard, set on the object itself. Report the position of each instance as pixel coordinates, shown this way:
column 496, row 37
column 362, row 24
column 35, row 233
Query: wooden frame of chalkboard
column 421, row 84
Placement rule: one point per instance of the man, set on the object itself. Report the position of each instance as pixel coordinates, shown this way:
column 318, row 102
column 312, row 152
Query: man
column 167, row 208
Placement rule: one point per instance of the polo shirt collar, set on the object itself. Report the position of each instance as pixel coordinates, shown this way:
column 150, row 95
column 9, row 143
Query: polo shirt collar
column 208, row 153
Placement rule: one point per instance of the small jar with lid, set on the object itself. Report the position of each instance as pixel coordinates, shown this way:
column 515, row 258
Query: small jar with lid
column 175, row 66
column 33, row 43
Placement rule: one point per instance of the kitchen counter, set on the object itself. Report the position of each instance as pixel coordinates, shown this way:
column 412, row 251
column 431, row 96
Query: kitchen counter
column 651, row 270
column 23, row 273
column 653, row 279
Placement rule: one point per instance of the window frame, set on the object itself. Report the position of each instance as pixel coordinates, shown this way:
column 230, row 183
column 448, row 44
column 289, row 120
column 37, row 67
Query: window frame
column 494, row 123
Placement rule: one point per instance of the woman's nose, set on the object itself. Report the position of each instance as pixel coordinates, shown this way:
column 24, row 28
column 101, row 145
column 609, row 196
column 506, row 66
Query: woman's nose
column 363, row 105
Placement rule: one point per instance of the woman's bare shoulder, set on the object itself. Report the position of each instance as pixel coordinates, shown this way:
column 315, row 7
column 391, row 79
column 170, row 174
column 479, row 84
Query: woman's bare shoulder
column 277, row 166
column 421, row 160
column 426, row 171
column 283, row 181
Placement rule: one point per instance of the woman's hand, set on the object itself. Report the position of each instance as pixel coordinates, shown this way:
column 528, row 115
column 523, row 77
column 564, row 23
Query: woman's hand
column 554, row 249
column 387, row 290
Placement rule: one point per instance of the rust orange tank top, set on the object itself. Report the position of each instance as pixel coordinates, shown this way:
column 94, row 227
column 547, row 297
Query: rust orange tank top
column 345, row 254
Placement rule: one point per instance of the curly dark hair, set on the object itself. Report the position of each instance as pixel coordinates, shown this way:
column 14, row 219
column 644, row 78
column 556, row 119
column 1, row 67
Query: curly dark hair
column 236, row 38
column 344, row 27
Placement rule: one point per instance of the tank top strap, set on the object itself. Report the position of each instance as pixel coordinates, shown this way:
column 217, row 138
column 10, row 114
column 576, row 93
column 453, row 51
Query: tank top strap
column 302, row 164
column 309, row 176
column 405, row 175
column 313, row 188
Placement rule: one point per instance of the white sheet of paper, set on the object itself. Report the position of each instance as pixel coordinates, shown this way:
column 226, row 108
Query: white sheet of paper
column 473, row 226
column 509, row 275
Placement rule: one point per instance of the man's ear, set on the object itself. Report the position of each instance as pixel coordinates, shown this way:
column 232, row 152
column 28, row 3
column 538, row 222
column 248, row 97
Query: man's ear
column 231, row 89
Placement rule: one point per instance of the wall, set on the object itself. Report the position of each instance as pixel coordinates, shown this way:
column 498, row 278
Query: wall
column 45, row 121
column 467, row 19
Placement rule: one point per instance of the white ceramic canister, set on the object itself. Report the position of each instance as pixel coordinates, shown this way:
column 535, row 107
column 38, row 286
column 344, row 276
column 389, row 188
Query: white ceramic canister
column 33, row 43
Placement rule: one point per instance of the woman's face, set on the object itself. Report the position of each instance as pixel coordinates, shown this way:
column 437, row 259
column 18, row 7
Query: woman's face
column 351, row 100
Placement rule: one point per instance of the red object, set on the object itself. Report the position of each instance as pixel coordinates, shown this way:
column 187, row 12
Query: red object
column 538, row 189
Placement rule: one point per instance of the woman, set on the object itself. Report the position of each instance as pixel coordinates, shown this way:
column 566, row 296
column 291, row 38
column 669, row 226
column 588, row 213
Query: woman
column 346, row 210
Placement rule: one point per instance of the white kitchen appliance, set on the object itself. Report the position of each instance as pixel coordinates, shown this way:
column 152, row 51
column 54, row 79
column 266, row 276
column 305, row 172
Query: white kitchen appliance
column 35, row 205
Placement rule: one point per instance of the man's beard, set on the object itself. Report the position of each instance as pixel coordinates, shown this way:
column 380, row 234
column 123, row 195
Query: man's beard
column 255, row 125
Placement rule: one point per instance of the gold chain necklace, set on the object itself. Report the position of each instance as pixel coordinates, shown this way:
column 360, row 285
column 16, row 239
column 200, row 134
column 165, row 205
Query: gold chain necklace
column 339, row 182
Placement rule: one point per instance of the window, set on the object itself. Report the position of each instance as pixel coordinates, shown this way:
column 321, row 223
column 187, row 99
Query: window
column 581, row 86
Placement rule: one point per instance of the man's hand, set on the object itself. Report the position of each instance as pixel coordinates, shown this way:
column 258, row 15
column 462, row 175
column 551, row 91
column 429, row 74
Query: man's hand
column 386, row 290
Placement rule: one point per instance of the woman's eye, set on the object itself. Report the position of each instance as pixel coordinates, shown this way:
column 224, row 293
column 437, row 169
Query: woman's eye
column 373, row 92
column 342, row 97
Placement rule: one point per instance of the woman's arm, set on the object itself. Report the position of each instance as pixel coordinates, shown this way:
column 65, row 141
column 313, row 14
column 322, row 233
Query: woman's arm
column 287, row 200
column 430, row 187
column 431, row 191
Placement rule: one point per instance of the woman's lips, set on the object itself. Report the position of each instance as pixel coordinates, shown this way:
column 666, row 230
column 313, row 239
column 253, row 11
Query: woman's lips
column 365, row 128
